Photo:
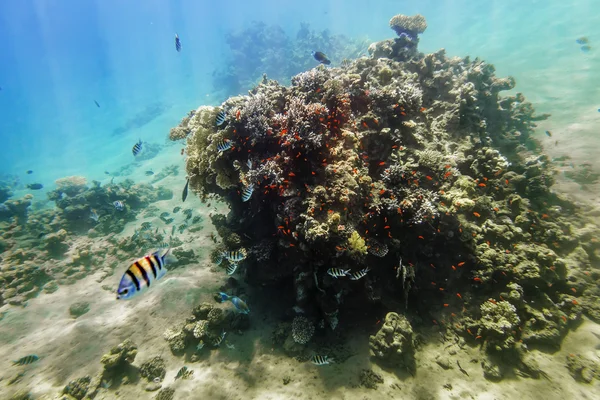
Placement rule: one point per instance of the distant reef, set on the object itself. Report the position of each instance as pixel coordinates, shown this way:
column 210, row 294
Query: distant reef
column 412, row 175
column 267, row 49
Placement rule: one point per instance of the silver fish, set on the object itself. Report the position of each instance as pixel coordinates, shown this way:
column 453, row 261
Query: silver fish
column 338, row 272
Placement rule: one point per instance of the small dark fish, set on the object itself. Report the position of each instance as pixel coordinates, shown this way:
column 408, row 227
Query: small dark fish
column 168, row 220
column 107, row 173
column 220, row 118
column 164, row 215
column 41, row 235
column 185, row 191
column 176, row 210
column 359, row 274
column 35, row 186
column 182, row 228
column 26, row 360
column 177, row 43
column 137, row 148
column 97, row 105
column 119, row 205
column 146, row 226
column 149, row 173
column 582, row 40
column 29, row 172
column 173, row 230
column 321, row 57
column 586, row 48
column 548, row 133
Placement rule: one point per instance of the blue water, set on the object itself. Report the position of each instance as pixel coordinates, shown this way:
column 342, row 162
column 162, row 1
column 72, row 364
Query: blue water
column 60, row 56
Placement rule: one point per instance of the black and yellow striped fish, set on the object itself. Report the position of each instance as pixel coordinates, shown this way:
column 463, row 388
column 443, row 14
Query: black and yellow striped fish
column 137, row 148
column 224, row 145
column 247, row 193
column 235, row 255
column 142, row 273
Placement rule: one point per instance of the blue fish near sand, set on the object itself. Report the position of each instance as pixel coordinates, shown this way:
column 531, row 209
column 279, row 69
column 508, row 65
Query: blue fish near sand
column 143, row 272
column 239, row 304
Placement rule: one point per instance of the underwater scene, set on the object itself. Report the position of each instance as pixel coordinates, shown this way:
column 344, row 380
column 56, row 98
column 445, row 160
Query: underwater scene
column 299, row 200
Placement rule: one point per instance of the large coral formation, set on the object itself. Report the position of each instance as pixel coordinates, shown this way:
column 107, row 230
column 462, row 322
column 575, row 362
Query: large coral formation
column 394, row 344
column 413, row 157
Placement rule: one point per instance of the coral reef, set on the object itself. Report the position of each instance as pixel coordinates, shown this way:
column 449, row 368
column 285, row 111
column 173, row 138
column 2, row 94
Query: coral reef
column 413, row 172
column 78, row 388
column 394, row 343
column 302, row 330
column 153, row 369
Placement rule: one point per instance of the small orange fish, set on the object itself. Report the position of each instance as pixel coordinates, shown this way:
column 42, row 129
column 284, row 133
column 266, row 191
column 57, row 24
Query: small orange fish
column 476, row 279
column 477, row 214
column 460, row 264
column 482, row 185
column 237, row 115
column 459, row 296
column 428, row 178
column 381, row 163
column 292, row 174
column 446, row 304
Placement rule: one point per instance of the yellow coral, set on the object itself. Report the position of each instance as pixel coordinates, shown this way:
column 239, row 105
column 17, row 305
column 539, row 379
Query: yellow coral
column 356, row 244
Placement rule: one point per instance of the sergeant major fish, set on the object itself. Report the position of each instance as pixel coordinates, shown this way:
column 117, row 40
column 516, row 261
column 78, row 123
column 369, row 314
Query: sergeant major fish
column 359, row 274
column 142, row 273
column 220, row 119
column 224, row 145
column 239, row 304
column 177, row 43
column 247, row 193
column 26, row 360
column 338, row 272
column 137, row 148
column 321, row 360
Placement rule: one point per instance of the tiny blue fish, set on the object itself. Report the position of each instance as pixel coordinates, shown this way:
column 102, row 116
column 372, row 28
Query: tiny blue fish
column 26, row 360
column 119, row 205
column 177, row 43
column 582, row 40
column 247, row 193
column 239, row 304
column 220, row 118
column 137, row 148
column 224, row 145
column 586, row 48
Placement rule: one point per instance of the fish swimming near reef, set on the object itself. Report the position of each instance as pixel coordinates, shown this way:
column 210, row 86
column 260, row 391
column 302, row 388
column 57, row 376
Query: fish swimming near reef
column 137, row 148
column 586, row 48
column 231, row 268
column 143, row 272
column 239, row 304
column 247, row 193
column 107, row 173
column 119, row 205
column 359, row 274
column 176, row 210
column 149, row 173
column 548, row 133
column 97, row 105
column 236, row 255
column 26, row 360
column 219, row 339
column 338, row 272
column 321, row 57
column 185, row 190
column 29, row 172
column 220, row 119
column 582, row 40
column 224, row 145
column 35, row 186
column 146, row 226
column 321, row 360
column 177, row 43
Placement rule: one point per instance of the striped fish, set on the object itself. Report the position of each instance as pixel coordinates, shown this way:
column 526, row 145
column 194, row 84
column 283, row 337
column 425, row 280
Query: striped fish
column 224, row 145
column 359, row 274
column 247, row 193
column 177, row 43
column 338, row 272
column 142, row 273
column 137, row 148
column 321, row 360
column 231, row 268
column 220, row 118
column 26, row 360
column 219, row 339
column 236, row 255
column 184, row 373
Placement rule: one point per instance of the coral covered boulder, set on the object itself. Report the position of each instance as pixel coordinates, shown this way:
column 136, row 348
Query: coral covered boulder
column 394, row 343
